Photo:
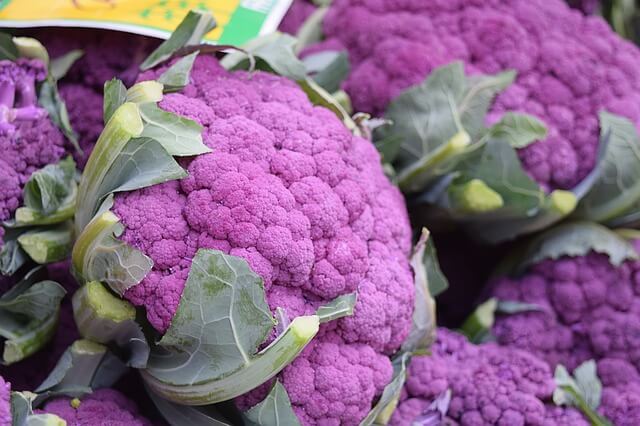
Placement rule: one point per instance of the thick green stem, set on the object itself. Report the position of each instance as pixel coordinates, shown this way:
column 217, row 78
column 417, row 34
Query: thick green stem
column 48, row 246
column 91, row 234
column 125, row 123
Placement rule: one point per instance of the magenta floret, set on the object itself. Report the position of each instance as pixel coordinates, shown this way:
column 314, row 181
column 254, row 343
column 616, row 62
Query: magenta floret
column 104, row 407
column 490, row 385
column 291, row 190
column 5, row 402
column 569, row 66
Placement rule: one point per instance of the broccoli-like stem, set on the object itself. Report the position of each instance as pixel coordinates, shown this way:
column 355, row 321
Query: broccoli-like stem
column 26, row 89
column 261, row 368
column 475, row 196
column 49, row 245
column 98, row 313
column 28, row 113
column 7, row 93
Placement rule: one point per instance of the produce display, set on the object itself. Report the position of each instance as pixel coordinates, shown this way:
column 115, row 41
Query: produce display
column 211, row 235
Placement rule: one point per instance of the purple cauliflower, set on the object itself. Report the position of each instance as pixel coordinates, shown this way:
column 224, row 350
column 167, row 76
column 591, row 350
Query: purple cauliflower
column 298, row 13
column 107, row 54
column 569, row 66
column 289, row 189
column 489, row 384
column 621, row 393
column 104, row 407
column 590, row 310
column 28, row 138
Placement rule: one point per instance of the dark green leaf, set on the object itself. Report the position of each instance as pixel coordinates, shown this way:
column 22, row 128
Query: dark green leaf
column 28, row 316
column 177, row 76
column 12, row 257
column 51, row 100
column 341, row 306
column 179, row 136
column 274, row 410
column 618, row 186
column 477, row 327
column 382, row 411
column 328, row 69
column 115, row 94
column 47, row 188
column 423, row 327
column 519, row 129
column 195, row 25
column 83, row 367
column 59, row 66
column 576, row 239
column 237, row 317
column 8, row 49
column 180, row 415
column 274, row 52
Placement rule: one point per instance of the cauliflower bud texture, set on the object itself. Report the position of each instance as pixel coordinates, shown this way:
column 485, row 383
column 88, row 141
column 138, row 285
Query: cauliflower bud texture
column 569, row 66
column 292, row 191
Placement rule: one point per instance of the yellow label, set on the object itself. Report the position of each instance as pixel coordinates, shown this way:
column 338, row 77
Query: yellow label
column 238, row 21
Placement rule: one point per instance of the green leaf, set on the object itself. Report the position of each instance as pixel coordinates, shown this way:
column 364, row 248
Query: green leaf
column 582, row 391
column 98, row 254
column 519, row 129
column 274, row 53
column 318, row 96
column 49, row 98
column 59, row 66
column 209, row 355
column 274, row 410
column 84, row 366
column 328, row 69
column 22, row 412
column 145, row 92
column 179, row 136
column 575, row 239
column 423, row 329
column 382, row 411
column 8, row 49
column 195, row 25
column 47, row 188
column 115, row 94
column 179, row 415
column 617, row 188
column 28, row 316
column 177, row 76
column 48, row 245
column 103, row 318
column 477, row 327
column 341, row 306
column 12, row 257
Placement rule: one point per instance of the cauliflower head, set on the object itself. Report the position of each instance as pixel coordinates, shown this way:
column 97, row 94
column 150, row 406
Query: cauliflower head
column 489, row 384
column 569, row 66
column 289, row 189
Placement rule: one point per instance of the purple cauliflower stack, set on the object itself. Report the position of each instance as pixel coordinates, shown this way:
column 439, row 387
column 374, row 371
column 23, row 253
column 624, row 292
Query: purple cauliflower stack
column 489, row 384
column 28, row 139
column 569, row 66
column 590, row 310
column 104, row 407
column 292, row 191
column 107, row 54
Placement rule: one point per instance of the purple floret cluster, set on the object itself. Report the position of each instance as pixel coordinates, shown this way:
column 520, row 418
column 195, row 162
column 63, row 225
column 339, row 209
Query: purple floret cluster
column 5, row 402
column 28, row 138
column 489, row 384
column 104, row 407
column 569, row 66
column 289, row 189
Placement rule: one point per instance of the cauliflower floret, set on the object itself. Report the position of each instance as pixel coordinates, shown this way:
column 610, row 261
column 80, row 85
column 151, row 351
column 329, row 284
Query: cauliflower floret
column 569, row 66
column 104, row 407
column 292, row 191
